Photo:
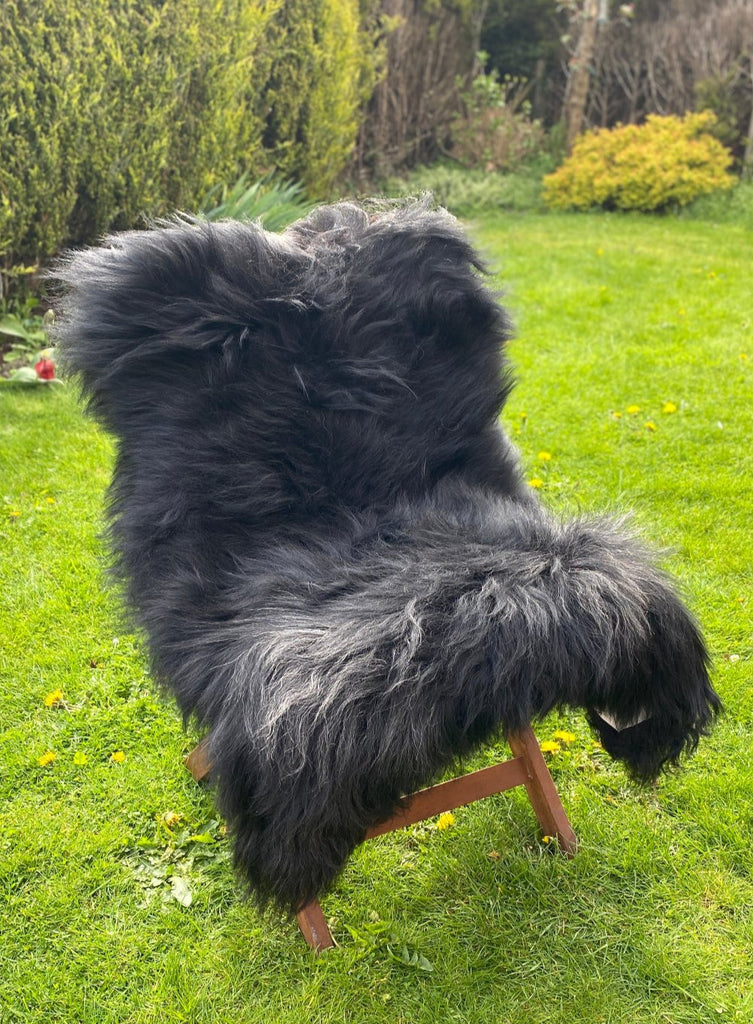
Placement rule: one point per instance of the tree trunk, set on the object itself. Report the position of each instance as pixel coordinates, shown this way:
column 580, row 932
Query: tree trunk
column 748, row 156
column 577, row 93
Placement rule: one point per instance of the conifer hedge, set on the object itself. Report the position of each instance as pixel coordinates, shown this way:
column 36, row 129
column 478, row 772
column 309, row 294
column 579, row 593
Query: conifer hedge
column 111, row 110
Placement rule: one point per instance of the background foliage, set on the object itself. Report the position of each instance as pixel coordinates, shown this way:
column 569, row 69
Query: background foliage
column 110, row 109
column 642, row 167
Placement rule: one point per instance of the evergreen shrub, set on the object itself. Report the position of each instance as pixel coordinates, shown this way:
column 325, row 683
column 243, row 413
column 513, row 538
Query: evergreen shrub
column 666, row 161
column 112, row 111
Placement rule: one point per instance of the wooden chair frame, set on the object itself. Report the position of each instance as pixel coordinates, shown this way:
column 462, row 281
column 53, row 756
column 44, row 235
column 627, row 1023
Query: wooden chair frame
column 526, row 768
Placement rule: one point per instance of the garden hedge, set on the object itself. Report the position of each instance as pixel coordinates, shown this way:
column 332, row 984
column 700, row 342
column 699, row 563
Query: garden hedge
column 115, row 109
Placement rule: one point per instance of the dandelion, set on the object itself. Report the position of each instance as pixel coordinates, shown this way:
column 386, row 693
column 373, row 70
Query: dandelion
column 550, row 747
column 546, row 839
column 743, row 357
column 616, row 415
column 14, row 513
column 536, row 482
column 171, row 818
column 53, row 699
column 445, row 820
column 633, row 410
column 80, row 758
column 564, row 736
column 117, row 756
column 47, row 758
column 544, row 457
column 669, row 407
column 650, row 425
column 600, row 251
column 50, row 501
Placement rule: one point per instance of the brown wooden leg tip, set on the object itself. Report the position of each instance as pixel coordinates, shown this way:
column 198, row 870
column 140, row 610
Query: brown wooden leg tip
column 315, row 929
column 198, row 762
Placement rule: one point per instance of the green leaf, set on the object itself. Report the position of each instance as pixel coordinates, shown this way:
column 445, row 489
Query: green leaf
column 24, row 375
column 12, row 325
column 180, row 891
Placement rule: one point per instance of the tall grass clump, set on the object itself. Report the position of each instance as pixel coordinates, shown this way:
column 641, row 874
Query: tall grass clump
column 275, row 204
column 466, row 191
column 731, row 206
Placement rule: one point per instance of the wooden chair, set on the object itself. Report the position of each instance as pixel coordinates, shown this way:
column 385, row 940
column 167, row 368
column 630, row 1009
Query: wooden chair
column 526, row 768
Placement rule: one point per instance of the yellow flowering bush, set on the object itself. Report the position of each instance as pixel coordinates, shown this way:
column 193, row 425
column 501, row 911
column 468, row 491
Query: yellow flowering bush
column 642, row 167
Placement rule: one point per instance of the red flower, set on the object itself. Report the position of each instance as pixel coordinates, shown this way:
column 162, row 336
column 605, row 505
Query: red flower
column 45, row 369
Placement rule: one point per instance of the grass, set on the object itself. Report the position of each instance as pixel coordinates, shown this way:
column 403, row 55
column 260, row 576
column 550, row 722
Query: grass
column 652, row 922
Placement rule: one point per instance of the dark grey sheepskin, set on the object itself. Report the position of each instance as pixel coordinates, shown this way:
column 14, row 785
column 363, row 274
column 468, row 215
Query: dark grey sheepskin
column 325, row 535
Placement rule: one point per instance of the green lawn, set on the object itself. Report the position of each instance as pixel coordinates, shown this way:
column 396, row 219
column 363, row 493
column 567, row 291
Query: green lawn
column 652, row 923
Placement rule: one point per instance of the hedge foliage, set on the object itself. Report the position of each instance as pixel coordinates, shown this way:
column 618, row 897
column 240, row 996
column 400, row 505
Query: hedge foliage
column 113, row 109
column 666, row 161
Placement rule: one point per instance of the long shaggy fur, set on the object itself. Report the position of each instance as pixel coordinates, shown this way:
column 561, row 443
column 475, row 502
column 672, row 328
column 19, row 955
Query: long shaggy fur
column 325, row 534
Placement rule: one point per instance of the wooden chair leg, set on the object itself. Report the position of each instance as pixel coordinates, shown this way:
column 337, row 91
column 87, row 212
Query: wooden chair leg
column 198, row 762
column 542, row 792
column 527, row 768
column 315, row 929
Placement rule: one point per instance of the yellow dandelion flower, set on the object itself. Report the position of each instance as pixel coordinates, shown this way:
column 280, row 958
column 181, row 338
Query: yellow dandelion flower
column 669, row 407
column 650, row 425
column 47, row 758
column 743, row 357
column 546, row 839
column 171, row 818
column 50, row 501
column 80, row 757
column 616, row 415
column 536, row 482
column 549, row 747
column 117, row 756
column 14, row 513
column 445, row 820
column 600, row 251
column 544, row 457
column 633, row 409
column 564, row 736
column 53, row 698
